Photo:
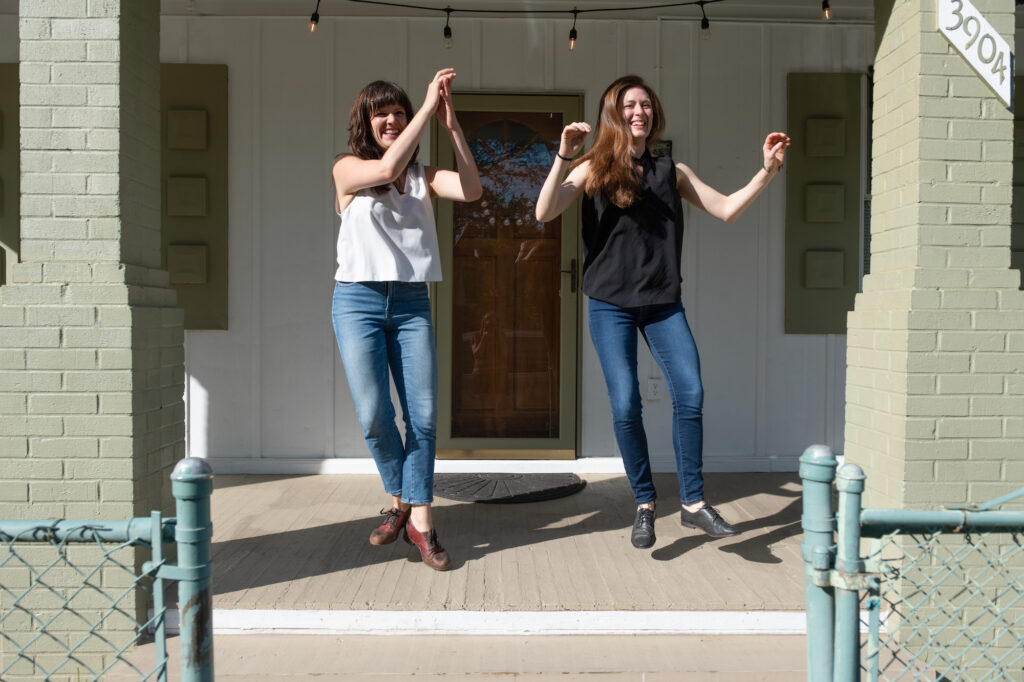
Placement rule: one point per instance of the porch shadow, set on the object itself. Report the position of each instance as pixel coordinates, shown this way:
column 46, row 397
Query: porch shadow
column 275, row 551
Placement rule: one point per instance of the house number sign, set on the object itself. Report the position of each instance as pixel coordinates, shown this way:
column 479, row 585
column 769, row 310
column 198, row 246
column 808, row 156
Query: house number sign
column 980, row 44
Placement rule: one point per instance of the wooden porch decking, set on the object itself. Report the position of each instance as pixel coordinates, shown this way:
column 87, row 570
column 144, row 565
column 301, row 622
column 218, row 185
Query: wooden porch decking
column 300, row 542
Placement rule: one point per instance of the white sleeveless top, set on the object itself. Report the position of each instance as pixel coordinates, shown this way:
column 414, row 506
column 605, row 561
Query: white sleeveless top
column 390, row 237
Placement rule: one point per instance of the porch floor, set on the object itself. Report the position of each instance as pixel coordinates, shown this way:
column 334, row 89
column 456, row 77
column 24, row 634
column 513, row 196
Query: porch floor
column 300, row 543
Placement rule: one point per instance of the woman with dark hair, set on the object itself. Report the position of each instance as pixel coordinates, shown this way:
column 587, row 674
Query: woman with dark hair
column 632, row 240
column 387, row 252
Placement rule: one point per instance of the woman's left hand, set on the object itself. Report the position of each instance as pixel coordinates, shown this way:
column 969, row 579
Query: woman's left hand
column 445, row 108
column 775, row 151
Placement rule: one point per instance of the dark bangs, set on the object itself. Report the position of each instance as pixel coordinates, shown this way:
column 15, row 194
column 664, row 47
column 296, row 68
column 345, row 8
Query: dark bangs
column 371, row 99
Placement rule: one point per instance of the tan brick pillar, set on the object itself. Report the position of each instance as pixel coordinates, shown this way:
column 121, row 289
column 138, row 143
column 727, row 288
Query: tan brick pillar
column 935, row 396
column 91, row 360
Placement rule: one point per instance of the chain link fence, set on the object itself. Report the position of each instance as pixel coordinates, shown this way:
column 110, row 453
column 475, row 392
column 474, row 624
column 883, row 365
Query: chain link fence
column 76, row 597
column 945, row 606
column 910, row 595
column 68, row 595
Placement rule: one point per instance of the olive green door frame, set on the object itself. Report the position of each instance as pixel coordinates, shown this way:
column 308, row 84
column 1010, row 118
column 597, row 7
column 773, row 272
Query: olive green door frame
column 565, row 445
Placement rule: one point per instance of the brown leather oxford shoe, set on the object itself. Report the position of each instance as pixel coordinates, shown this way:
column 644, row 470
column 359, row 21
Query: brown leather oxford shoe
column 387, row 532
column 430, row 549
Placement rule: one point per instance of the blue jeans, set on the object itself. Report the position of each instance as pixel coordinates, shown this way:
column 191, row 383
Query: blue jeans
column 664, row 328
column 382, row 325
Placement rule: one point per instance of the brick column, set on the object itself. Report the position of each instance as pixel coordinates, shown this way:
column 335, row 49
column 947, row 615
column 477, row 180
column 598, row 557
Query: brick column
column 935, row 399
column 91, row 359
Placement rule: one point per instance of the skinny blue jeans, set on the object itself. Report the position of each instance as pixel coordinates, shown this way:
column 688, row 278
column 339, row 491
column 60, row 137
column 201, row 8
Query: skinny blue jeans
column 614, row 333
column 382, row 326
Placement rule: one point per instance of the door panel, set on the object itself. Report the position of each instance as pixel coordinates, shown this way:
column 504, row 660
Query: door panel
column 506, row 313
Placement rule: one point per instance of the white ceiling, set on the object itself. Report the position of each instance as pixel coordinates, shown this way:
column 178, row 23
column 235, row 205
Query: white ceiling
column 844, row 11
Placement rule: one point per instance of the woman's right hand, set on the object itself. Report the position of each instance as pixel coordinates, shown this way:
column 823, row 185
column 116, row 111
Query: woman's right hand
column 560, row 190
column 573, row 137
column 442, row 77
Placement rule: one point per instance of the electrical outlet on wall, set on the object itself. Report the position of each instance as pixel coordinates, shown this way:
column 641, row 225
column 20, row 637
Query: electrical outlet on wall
column 655, row 389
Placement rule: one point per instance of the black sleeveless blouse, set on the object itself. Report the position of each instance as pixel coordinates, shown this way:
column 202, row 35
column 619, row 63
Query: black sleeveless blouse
column 632, row 255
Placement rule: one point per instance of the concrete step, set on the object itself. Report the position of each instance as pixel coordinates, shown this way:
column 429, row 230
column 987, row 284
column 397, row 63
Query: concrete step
column 565, row 658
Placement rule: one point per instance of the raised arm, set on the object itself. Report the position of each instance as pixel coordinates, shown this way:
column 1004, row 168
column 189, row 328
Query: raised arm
column 352, row 174
column 463, row 184
column 557, row 194
column 731, row 207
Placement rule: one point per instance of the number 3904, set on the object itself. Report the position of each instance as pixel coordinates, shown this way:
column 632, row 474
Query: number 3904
column 988, row 50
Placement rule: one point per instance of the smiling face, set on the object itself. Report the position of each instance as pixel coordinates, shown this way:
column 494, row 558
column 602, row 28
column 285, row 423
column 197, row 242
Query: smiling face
column 638, row 112
column 387, row 123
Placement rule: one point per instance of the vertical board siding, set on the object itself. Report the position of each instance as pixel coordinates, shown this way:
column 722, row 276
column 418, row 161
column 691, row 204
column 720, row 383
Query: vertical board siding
column 296, row 271
column 272, row 387
column 731, row 133
column 222, row 368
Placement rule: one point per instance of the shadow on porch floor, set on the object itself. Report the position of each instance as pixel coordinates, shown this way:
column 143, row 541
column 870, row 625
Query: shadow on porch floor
column 300, row 543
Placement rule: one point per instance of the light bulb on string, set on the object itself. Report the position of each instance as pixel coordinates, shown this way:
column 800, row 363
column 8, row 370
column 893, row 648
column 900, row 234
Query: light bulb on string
column 572, row 31
column 448, row 41
column 314, row 18
column 705, row 25
column 826, row 10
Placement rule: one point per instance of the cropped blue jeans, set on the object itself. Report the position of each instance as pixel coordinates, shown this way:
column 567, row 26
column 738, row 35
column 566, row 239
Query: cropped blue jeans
column 614, row 333
column 382, row 326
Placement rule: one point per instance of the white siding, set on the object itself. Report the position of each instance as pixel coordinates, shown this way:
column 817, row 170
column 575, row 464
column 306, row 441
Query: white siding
column 271, row 386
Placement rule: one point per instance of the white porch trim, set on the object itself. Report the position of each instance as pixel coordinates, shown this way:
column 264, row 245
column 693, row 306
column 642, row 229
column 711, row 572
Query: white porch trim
column 509, row 623
column 583, row 465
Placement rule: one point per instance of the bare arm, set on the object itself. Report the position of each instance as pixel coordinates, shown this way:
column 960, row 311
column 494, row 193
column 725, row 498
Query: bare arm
column 352, row 174
column 557, row 194
column 731, row 207
column 463, row 184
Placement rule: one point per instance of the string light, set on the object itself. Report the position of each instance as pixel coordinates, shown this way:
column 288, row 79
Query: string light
column 314, row 18
column 572, row 31
column 826, row 10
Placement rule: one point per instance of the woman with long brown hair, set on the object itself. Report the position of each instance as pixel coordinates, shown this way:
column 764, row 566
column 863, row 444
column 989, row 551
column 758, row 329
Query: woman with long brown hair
column 387, row 253
column 632, row 241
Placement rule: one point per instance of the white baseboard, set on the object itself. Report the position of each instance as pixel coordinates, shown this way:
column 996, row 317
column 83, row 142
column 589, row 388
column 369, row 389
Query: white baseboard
column 583, row 465
column 365, row 465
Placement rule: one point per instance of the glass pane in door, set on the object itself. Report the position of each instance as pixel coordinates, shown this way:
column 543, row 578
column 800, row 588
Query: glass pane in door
column 505, row 369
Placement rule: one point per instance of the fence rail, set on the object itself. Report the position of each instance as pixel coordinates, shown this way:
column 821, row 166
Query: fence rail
column 67, row 589
column 937, row 595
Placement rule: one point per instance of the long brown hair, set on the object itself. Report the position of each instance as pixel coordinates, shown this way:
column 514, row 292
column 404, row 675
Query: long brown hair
column 369, row 101
column 611, row 158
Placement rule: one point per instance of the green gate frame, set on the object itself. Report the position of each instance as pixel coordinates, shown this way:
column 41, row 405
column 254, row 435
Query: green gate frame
column 191, row 530
column 838, row 579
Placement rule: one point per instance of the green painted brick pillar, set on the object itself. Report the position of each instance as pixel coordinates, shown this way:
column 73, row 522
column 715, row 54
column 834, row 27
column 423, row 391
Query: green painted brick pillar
column 935, row 353
column 91, row 358
column 935, row 395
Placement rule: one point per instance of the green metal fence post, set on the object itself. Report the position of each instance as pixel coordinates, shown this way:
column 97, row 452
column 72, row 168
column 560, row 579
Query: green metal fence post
column 192, row 485
column 159, row 605
column 817, row 471
column 850, row 481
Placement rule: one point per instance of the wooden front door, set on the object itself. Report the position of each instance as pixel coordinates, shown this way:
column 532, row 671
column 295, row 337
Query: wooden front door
column 507, row 311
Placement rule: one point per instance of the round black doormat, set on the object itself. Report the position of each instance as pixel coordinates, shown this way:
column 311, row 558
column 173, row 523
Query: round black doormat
column 506, row 488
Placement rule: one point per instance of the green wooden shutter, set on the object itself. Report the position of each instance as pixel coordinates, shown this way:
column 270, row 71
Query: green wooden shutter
column 194, row 172
column 1017, row 207
column 10, row 178
column 824, row 197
